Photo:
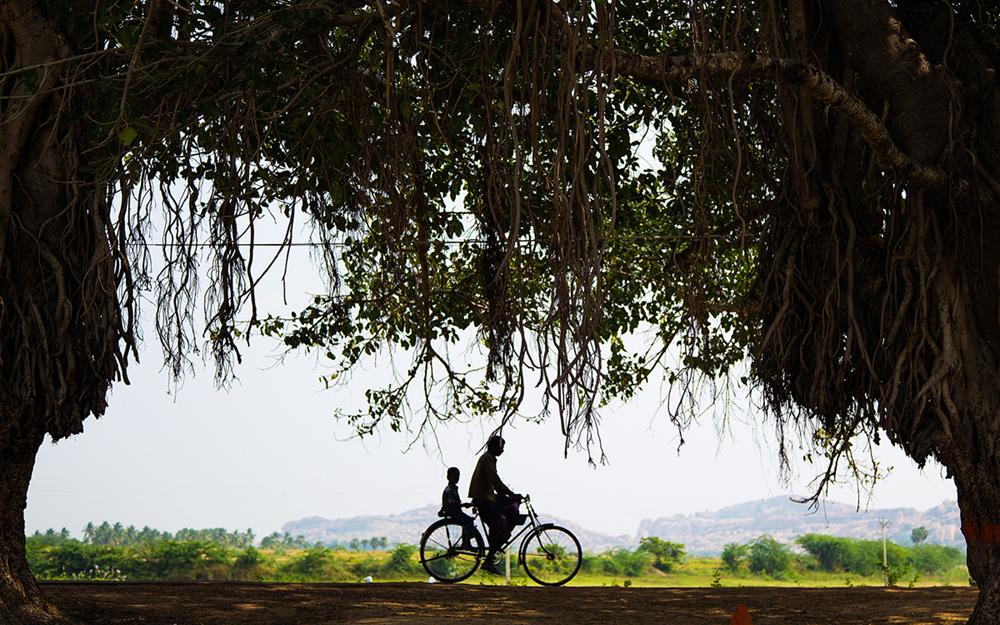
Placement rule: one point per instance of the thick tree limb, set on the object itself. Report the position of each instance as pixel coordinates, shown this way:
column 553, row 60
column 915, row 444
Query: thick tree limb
column 35, row 46
column 667, row 68
column 894, row 66
column 909, row 161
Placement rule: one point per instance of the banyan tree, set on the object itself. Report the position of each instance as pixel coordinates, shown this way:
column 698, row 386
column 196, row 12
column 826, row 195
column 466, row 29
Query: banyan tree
column 595, row 193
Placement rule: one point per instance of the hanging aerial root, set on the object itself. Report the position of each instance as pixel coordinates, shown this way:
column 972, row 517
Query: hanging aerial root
column 663, row 69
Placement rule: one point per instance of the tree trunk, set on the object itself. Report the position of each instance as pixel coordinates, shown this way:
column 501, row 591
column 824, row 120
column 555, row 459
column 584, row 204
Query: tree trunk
column 21, row 600
column 931, row 71
column 979, row 502
column 60, row 320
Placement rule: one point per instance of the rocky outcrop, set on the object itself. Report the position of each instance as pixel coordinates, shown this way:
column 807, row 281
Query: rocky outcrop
column 702, row 532
column 783, row 519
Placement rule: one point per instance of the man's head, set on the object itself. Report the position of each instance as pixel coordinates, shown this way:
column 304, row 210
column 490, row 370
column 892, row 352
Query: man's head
column 495, row 445
column 453, row 474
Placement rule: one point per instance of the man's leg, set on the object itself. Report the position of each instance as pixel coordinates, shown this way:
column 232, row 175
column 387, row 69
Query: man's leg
column 490, row 513
column 503, row 529
column 508, row 509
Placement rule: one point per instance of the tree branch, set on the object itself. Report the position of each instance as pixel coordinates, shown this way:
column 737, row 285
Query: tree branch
column 894, row 66
column 664, row 69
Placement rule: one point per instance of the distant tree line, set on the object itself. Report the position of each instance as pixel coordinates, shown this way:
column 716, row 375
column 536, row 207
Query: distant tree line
column 111, row 552
column 280, row 541
column 764, row 555
column 652, row 554
column 118, row 535
column 57, row 556
column 365, row 544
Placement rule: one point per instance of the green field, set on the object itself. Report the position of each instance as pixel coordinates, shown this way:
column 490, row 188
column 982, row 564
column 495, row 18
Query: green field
column 701, row 572
column 184, row 561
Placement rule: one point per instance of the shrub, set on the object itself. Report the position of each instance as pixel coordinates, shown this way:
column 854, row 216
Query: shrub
column 936, row 558
column 896, row 572
column 176, row 561
column 863, row 557
column 734, row 556
column 620, row 561
column 401, row 560
column 248, row 557
column 768, row 556
column 831, row 553
column 716, row 578
column 314, row 564
column 631, row 563
column 365, row 566
column 249, row 565
column 61, row 561
column 666, row 554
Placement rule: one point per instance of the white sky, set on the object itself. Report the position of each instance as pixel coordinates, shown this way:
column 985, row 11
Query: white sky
column 270, row 451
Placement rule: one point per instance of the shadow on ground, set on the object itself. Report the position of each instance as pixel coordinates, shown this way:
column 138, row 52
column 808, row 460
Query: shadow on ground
column 214, row 603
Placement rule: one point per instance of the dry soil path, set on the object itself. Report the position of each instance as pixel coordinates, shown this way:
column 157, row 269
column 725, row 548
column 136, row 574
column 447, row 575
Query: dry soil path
column 425, row 604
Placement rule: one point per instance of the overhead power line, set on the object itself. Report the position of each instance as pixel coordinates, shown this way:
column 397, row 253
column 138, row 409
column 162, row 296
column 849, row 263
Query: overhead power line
column 665, row 237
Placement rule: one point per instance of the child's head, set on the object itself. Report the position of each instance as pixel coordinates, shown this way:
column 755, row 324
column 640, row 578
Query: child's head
column 453, row 474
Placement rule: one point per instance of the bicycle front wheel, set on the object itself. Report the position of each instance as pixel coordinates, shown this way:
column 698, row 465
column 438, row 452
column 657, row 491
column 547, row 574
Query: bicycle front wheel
column 443, row 554
column 551, row 555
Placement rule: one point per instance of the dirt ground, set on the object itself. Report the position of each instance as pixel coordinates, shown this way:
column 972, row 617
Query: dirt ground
column 424, row 604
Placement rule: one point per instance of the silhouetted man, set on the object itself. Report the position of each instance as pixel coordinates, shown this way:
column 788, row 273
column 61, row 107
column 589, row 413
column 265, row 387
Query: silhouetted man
column 490, row 495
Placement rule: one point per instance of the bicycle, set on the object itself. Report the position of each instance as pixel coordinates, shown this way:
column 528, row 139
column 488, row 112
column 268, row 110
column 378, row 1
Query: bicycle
column 550, row 554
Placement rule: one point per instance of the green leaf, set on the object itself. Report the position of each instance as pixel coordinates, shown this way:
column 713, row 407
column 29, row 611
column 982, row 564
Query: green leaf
column 127, row 135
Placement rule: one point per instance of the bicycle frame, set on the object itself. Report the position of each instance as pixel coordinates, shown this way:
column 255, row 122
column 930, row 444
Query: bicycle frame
column 446, row 549
column 532, row 523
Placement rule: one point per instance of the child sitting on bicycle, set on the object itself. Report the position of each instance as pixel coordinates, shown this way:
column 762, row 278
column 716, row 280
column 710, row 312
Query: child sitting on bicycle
column 451, row 506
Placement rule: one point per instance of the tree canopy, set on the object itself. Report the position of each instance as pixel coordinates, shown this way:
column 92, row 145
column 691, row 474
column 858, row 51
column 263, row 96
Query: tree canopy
column 810, row 187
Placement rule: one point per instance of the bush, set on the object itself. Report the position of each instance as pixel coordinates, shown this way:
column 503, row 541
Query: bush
column 620, row 561
column 768, row 556
column 666, row 554
column 831, row 553
column 59, row 561
column 365, row 566
column 249, row 565
column 864, row 557
column 401, row 560
column 314, row 564
column 734, row 556
column 168, row 560
column 178, row 561
column 936, row 558
column 249, row 557
column 896, row 572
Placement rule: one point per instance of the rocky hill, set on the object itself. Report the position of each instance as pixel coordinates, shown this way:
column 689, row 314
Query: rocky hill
column 406, row 527
column 702, row 532
column 783, row 519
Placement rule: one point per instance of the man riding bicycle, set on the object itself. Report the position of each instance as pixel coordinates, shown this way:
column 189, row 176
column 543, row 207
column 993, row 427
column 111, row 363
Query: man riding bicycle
column 451, row 548
column 494, row 500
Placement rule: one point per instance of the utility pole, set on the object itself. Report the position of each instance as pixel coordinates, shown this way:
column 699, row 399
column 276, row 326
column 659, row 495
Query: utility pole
column 885, row 559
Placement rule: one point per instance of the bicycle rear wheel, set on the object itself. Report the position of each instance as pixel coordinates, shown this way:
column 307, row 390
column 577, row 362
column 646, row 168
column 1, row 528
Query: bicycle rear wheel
column 551, row 555
column 442, row 553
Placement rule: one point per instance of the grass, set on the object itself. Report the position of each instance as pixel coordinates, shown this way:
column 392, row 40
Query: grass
column 75, row 561
column 695, row 572
column 700, row 572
